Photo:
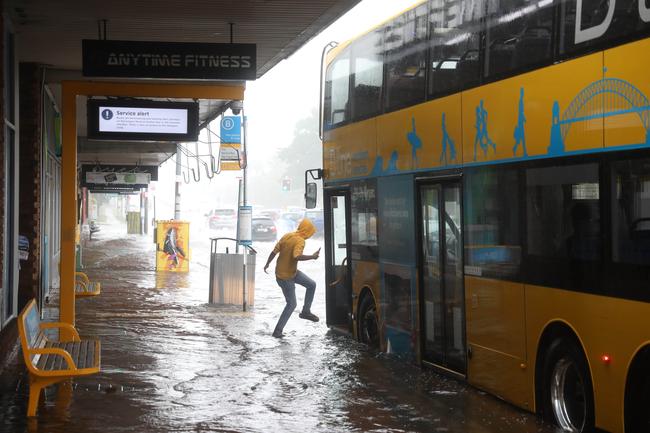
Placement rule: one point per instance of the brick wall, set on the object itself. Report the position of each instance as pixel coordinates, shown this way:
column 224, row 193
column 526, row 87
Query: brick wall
column 30, row 77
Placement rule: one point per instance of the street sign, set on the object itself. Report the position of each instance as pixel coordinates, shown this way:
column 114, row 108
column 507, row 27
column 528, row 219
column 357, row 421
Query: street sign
column 231, row 129
column 245, row 235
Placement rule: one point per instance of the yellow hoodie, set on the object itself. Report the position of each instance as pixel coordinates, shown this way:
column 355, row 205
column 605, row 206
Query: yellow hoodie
column 290, row 247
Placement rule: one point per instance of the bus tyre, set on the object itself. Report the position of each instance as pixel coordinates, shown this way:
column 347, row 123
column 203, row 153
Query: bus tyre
column 368, row 323
column 568, row 392
column 637, row 396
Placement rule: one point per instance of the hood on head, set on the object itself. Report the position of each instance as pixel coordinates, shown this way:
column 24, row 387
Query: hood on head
column 306, row 229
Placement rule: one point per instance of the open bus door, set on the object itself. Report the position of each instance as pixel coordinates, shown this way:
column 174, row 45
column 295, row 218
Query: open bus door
column 338, row 274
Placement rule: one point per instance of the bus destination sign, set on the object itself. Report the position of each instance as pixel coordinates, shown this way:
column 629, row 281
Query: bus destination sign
column 174, row 60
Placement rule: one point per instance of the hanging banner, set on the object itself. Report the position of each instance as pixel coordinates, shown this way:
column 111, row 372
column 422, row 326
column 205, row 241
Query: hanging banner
column 118, row 168
column 123, row 179
column 182, row 60
column 173, row 246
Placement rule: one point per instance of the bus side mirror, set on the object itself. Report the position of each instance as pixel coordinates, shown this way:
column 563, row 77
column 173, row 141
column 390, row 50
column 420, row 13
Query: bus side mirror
column 310, row 195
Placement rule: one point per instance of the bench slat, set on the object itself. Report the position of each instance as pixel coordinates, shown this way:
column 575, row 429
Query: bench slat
column 49, row 359
column 76, row 348
column 83, row 355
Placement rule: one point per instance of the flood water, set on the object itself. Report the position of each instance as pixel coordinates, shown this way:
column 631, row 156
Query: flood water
column 171, row 362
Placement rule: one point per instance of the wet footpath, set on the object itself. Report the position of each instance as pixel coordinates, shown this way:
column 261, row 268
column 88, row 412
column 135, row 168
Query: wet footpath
column 171, row 362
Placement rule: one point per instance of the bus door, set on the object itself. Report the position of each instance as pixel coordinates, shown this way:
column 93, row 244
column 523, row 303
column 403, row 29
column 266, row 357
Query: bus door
column 442, row 303
column 338, row 295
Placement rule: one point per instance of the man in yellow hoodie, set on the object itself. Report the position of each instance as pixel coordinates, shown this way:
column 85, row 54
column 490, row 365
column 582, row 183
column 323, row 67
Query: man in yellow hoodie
column 290, row 249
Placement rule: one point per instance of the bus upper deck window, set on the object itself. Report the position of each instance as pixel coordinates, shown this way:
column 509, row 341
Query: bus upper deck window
column 368, row 75
column 454, row 47
column 405, row 46
column 337, row 89
column 518, row 36
column 601, row 22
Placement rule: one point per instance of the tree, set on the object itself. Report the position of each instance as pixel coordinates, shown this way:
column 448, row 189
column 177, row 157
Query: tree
column 304, row 153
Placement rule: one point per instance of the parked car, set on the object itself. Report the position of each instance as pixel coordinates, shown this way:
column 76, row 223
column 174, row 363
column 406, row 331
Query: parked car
column 222, row 218
column 263, row 229
column 316, row 217
column 274, row 214
column 288, row 222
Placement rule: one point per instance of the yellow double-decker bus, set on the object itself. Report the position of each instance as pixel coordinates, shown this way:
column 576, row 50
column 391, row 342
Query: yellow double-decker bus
column 486, row 171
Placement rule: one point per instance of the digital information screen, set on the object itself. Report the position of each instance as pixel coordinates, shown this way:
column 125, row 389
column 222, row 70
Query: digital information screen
column 145, row 120
column 142, row 120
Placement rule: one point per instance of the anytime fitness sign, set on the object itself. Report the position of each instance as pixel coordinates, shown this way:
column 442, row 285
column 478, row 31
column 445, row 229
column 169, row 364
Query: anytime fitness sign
column 105, row 58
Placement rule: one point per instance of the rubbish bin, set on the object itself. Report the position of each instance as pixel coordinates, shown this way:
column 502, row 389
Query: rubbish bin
column 227, row 275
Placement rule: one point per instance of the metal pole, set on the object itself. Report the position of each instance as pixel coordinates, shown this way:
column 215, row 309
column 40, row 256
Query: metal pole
column 245, row 292
column 141, row 212
column 245, row 181
column 177, row 196
column 239, row 199
column 146, row 213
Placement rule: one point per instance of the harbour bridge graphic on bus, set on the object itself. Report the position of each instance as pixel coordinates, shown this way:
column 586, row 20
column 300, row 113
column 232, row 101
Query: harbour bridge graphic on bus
column 603, row 98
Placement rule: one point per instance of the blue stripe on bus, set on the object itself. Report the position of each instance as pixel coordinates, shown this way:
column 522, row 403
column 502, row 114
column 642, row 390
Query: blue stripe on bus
column 498, row 162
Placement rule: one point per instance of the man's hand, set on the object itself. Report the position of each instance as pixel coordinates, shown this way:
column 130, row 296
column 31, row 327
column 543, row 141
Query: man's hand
column 316, row 254
column 268, row 261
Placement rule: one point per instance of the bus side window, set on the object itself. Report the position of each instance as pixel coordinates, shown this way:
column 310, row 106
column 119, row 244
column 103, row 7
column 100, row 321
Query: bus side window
column 405, row 54
column 563, row 226
column 337, row 90
column 519, row 36
column 454, row 47
column 631, row 212
column 368, row 72
column 599, row 27
column 492, row 212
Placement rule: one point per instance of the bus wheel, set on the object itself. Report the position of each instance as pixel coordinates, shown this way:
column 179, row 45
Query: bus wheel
column 637, row 396
column 568, row 392
column 368, row 323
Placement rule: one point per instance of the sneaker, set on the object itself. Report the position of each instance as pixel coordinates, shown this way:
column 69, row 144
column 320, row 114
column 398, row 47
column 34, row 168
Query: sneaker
column 277, row 334
column 308, row 316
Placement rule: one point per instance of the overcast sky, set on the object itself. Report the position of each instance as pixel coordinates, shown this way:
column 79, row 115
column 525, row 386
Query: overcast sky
column 289, row 91
column 273, row 104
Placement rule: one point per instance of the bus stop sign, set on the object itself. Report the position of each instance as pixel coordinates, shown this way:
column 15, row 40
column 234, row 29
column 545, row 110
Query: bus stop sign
column 231, row 129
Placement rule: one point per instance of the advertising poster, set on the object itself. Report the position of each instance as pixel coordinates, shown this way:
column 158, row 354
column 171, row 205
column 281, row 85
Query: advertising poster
column 173, row 246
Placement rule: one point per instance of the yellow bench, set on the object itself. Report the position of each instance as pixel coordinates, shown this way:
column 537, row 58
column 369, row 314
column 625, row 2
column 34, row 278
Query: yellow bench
column 84, row 287
column 49, row 362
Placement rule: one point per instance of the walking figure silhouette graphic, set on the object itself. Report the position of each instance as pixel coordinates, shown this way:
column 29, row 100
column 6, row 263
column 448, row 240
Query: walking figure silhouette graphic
column 447, row 141
column 482, row 137
column 520, row 133
column 415, row 142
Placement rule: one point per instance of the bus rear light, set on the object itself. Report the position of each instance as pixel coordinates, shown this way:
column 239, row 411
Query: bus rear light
column 606, row 359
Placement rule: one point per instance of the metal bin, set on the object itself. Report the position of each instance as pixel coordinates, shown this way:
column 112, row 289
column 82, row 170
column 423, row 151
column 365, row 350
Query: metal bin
column 227, row 275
